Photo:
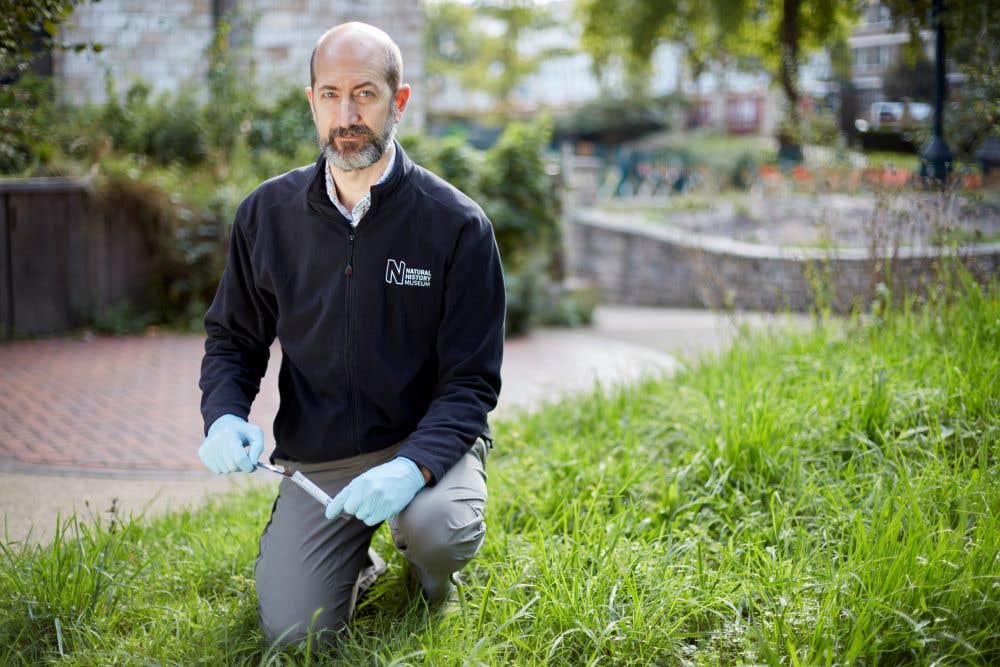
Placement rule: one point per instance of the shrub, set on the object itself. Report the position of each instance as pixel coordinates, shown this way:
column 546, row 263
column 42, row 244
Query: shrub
column 519, row 197
column 460, row 165
column 188, row 256
column 744, row 171
column 166, row 130
column 25, row 124
column 283, row 127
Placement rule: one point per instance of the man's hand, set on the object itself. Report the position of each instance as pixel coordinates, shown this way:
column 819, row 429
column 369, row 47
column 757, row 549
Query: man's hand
column 222, row 451
column 379, row 493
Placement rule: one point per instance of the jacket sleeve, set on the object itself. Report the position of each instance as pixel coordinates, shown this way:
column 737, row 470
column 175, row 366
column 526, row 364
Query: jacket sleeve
column 469, row 350
column 240, row 327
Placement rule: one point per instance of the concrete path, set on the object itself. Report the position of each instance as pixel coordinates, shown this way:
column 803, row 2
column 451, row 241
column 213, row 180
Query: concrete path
column 95, row 423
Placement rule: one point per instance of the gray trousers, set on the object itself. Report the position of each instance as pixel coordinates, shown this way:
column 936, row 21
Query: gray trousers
column 309, row 568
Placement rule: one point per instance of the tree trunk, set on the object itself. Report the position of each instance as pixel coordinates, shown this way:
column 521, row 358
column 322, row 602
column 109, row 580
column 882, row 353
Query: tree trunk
column 789, row 137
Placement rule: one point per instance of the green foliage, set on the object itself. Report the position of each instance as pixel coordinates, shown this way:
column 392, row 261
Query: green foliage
column 231, row 98
column 284, row 126
column 567, row 303
column 972, row 27
column 520, row 198
column 30, row 28
column 511, row 184
column 455, row 47
column 826, row 496
column 744, row 171
column 972, row 113
column 613, row 118
column 163, row 166
column 732, row 33
column 460, row 165
column 185, row 218
column 26, row 124
column 122, row 319
column 972, row 30
column 166, row 129
column 821, row 129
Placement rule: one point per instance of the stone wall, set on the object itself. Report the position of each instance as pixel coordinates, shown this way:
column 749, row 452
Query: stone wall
column 166, row 44
column 161, row 43
column 640, row 264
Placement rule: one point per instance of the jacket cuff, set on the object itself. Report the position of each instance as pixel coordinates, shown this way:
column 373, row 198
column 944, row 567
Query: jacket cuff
column 420, row 459
column 211, row 417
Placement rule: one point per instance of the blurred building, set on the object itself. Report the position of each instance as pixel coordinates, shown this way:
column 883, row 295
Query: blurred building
column 167, row 44
column 875, row 49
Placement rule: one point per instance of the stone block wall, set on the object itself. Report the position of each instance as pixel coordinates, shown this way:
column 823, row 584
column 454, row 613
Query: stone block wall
column 639, row 264
column 166, row 44
column 162, row 43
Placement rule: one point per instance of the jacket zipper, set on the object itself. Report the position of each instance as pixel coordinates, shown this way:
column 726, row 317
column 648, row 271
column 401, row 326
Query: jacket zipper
column 351, row 399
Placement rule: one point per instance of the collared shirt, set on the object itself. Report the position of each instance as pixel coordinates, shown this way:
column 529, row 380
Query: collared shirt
column 365, row 203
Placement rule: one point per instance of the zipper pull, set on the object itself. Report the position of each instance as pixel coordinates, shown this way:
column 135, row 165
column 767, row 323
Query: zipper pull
column 348, row 271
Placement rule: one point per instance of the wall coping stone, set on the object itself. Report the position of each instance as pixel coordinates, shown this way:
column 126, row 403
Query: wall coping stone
column 622, row 222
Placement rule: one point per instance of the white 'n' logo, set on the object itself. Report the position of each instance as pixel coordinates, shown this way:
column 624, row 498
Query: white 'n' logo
column 394, row 271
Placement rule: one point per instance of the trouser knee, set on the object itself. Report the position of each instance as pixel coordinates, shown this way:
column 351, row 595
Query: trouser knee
column 439, row 535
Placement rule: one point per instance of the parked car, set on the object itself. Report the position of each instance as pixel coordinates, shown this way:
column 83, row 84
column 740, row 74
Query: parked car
column 886, row 115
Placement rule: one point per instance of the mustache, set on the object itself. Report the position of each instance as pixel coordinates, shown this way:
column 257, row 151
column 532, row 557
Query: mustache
column 351, row 131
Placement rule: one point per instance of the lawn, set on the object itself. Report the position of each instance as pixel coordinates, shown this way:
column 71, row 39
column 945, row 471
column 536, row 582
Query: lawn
column 823, row 497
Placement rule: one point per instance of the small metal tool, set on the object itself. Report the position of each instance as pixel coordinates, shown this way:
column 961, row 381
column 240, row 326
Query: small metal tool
column 305, row 484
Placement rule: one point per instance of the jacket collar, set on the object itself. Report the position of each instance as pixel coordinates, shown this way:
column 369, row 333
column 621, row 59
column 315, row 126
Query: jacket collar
column 320, row 203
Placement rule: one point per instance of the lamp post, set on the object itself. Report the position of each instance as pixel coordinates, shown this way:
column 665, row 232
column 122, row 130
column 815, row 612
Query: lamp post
column 936, row 158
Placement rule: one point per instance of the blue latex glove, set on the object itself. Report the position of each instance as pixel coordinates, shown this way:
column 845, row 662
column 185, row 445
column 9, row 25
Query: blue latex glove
column 222, row 451
column 379, row 493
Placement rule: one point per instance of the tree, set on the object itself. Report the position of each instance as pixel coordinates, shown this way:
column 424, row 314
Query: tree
column 775, row 34
column 972, row 29
column 458, row 47
column 27, row 29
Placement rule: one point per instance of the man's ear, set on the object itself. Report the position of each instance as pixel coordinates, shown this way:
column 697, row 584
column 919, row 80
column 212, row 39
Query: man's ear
column 402, row 97
column 309, row 96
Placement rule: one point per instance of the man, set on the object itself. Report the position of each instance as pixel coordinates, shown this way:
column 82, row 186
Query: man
column 384, row 286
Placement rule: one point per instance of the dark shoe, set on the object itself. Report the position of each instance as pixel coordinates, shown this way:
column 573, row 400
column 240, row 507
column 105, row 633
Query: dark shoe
column 374, row 568
column 435, row 592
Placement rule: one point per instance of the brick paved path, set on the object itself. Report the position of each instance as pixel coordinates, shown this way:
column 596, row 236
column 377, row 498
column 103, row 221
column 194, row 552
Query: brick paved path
column 132, row 404
column 123, row 403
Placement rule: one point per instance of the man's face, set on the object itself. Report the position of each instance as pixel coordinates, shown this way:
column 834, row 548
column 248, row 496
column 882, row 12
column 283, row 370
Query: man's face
column 354, row 109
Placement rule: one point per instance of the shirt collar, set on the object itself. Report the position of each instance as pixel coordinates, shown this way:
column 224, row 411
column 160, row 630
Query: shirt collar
column 355, row 215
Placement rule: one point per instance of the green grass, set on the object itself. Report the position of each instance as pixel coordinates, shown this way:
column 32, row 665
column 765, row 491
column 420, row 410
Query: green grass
column 715, row 149
column 822, row 497
column 886, row 159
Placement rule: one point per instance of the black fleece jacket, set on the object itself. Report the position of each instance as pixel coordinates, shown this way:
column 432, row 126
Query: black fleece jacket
column 389, row 331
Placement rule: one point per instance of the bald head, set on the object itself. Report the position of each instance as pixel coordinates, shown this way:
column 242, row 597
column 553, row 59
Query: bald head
column 361, row 37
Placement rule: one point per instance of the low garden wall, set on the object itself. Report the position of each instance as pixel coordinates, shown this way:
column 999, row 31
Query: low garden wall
column 637, row 263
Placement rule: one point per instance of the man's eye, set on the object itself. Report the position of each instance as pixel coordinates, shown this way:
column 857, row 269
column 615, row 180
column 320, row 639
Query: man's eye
column 366, row 93
column 329, row 94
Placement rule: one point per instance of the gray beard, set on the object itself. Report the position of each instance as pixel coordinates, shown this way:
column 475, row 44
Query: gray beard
column 368, row 155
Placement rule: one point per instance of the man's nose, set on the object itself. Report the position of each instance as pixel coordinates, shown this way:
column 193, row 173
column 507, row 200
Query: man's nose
column 349, row 110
